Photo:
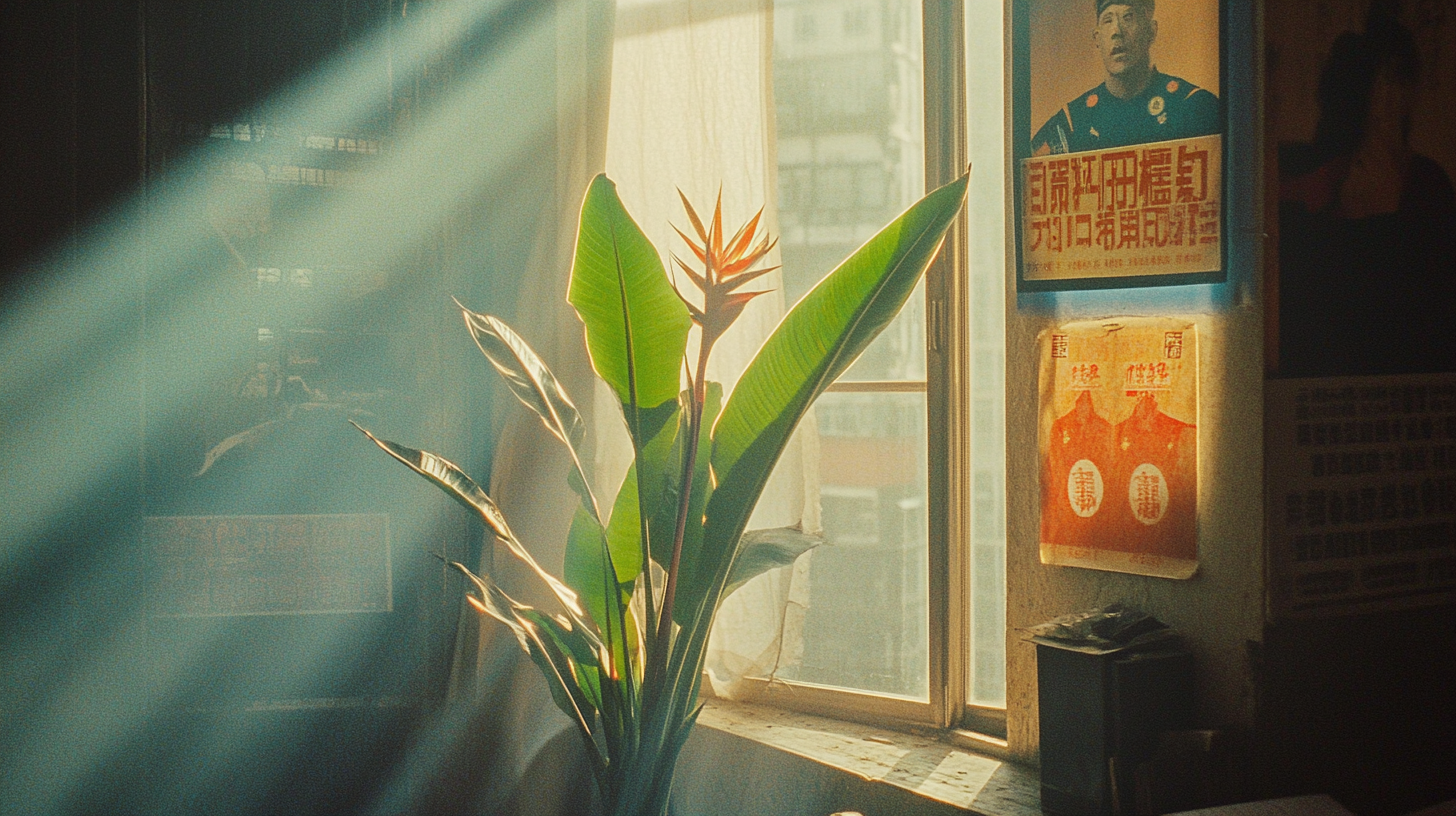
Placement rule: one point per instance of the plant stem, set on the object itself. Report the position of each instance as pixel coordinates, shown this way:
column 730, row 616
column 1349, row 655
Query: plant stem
column 646, row 547
column 690, row 458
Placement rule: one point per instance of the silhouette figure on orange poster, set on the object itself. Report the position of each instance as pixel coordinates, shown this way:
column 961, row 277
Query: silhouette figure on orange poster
column 1075, row 489
column 1153, row 486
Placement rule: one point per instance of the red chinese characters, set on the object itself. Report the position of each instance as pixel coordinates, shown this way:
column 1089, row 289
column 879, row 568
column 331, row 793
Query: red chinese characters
column 1129, row 211
column 1155, row 464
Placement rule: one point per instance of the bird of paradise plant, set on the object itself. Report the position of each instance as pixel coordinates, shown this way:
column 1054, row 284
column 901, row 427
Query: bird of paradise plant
column 623, row 656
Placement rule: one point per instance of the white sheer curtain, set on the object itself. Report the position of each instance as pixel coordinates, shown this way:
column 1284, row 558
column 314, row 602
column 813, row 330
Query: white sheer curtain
column 688, row 103
column 528, row 478
column 692, row 109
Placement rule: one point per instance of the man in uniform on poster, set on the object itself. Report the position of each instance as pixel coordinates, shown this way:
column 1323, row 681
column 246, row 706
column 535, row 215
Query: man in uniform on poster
column 1136, row 103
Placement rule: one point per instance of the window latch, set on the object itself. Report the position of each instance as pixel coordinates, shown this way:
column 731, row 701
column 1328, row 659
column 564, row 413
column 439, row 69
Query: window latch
column 937, row 324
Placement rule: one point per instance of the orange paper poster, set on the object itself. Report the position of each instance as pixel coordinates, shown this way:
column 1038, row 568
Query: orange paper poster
column 1119, row 446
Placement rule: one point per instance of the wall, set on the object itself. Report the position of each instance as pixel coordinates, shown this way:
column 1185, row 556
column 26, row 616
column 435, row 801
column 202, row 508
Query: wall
column 70, row 93
column 1360, row 706
column 100, row 703
column 1219, row 609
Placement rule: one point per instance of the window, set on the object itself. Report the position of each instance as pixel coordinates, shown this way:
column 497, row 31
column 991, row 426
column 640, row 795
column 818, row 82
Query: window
column 902, row 612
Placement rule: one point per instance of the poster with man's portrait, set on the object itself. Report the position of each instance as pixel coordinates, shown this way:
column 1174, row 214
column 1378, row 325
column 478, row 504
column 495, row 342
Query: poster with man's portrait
column 1118, row 137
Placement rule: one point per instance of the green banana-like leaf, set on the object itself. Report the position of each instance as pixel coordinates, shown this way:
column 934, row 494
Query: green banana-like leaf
column 448, row 476
column 588, row 571
column 636, row 326
column 649, row 783
column 624, row 528
column 493, row 601
column 625, row 531
column 816, row 341
column 636, row 331
column 585, row 661
column 689, row 563
column 664, row 457
column 675, row 745
column 554, row 662
column 537, row 388
column 558, row 670
column 758, row 552
column 762, row 550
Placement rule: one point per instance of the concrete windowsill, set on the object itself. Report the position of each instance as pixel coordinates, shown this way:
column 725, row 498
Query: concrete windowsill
column 747, row 759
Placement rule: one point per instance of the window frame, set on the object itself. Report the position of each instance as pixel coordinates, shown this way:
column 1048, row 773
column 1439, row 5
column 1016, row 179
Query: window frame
column 948, row 421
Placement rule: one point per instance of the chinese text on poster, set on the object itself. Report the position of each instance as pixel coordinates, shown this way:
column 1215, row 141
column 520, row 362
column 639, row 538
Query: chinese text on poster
column 1361, row 492
column 270, row 565
column 1149, row 209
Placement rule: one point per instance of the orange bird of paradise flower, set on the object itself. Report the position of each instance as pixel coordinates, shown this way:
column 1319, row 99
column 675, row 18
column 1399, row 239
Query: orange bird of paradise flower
column 726, row 267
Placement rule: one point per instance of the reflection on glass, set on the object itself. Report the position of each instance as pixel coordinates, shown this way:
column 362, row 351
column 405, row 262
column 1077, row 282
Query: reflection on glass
column 848, row 97
column 866, row 622
column 851, row 148
column 851, row 156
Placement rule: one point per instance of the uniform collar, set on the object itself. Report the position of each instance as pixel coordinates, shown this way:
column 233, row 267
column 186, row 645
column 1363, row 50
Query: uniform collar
column 1157, row 82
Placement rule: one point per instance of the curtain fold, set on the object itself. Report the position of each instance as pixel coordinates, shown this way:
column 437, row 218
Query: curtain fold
column 690, row 86
column 528, row 478
column 693, row 110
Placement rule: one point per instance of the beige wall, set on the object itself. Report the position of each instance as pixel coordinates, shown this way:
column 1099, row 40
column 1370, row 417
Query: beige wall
column 1220, row 608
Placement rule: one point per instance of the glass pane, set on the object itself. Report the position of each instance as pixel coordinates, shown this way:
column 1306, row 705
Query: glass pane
column 848, row 100
column 851, row 148
column 985, row 207
column 865, row 625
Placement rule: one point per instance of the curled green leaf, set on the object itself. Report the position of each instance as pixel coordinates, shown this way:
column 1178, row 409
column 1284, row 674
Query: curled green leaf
column 448, row 476
column 762, row 550
column 537, row 388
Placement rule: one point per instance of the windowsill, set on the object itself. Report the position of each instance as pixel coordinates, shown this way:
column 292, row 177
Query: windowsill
column 820, row 762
